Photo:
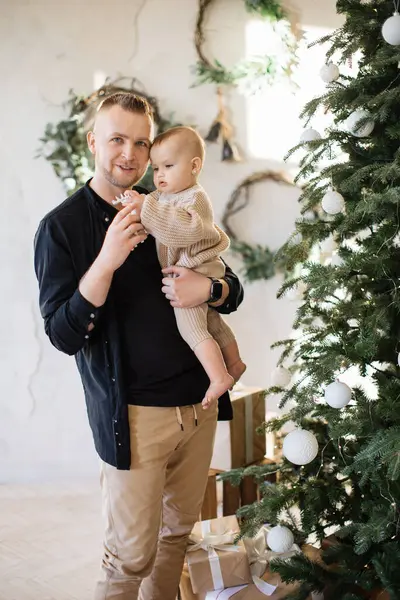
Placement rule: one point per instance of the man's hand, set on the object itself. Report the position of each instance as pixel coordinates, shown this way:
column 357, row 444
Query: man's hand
column 123, row 235
column 185, row 288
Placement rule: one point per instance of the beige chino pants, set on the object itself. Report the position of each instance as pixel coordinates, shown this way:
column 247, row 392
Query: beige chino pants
column 150, row 510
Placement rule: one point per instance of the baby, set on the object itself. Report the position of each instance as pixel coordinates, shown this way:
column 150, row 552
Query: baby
column 179, row 216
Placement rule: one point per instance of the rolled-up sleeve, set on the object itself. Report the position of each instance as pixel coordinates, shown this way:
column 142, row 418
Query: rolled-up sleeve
column 67, row 314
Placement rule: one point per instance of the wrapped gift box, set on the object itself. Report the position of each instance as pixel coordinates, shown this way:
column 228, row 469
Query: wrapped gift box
column 236, row 442
column 275, row 588
column 213, row 560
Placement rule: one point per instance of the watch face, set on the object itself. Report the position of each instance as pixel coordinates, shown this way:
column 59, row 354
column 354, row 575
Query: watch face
column 216, row 290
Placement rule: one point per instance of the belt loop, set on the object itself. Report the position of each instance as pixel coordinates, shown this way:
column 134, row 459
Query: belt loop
column 195, row 415
column 179, row 416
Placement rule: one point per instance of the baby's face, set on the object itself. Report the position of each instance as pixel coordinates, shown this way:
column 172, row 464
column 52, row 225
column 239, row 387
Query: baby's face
column 172, row 167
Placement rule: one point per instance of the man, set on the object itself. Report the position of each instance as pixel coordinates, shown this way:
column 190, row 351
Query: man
column 101, row 297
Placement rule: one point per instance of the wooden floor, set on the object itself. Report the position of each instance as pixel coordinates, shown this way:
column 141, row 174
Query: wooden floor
column 50, row 541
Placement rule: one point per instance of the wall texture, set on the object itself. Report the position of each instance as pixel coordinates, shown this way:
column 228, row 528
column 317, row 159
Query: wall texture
column 48, row 47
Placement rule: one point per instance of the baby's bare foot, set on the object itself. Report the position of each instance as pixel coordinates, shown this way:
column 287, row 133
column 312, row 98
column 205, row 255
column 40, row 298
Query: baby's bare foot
column 216, row 389
column 237, row 369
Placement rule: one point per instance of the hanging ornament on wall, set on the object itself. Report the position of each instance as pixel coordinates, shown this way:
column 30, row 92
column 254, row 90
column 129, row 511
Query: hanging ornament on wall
column 337, row 394
column 221, row 129
column 329, row 72
column 300, row 447
column 280, row 539
column 280, row 377
column 352, row 123
column 333, row 202
column 391, row 27
column 309, row 135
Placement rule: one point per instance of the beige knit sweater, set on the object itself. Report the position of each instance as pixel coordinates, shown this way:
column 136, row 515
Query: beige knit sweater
column 184, row 229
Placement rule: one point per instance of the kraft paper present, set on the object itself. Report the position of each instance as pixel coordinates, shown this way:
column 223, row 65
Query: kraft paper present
column 260, row 555
column 236, row 442
column 274, row 589
column 213, row 560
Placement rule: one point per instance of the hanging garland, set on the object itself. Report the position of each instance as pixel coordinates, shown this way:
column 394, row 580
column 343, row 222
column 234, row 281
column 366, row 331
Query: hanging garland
column 250, row 75
column 64, row 144
column 259, row 262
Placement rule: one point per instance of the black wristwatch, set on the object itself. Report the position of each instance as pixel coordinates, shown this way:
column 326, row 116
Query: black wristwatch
column 216, row 290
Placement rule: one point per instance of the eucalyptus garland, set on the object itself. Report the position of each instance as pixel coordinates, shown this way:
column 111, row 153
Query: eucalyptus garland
column 64, row 143
column 259, row 262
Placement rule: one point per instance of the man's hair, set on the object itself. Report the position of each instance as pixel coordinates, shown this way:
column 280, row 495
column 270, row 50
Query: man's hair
column 198, row 142
column 128, row 101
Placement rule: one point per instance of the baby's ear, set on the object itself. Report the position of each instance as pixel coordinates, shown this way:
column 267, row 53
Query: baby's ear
column 197, row 164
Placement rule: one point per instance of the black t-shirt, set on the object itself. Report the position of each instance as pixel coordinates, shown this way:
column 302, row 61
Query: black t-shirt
column 159, row 367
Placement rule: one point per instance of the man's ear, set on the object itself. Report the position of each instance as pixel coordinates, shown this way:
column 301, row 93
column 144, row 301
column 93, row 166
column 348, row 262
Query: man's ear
column 91, row 142
column 196, row 165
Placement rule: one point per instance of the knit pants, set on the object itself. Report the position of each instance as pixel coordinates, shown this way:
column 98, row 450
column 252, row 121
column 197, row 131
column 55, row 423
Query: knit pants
column 200, row 323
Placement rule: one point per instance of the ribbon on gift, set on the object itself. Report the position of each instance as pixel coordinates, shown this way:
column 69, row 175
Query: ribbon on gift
column 265, row 588
column 210, row 542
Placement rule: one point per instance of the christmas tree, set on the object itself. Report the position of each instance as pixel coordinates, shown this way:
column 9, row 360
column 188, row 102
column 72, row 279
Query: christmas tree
column 338, row 483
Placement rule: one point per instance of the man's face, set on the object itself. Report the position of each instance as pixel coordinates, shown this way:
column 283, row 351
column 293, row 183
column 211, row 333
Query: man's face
column 120, row 142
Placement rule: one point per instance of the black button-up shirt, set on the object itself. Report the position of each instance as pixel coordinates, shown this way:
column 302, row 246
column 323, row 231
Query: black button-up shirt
column 67, row 242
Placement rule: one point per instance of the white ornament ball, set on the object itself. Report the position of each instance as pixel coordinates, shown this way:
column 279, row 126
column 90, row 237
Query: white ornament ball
column 353, row 120
column 336, row 260
column 296, row 293
column 280, row 539
column 280, row 377
column 333, row 202
column 329, row 72
column 391, row 30
column 310, row 135
column 300, row 447
column 328, row 245
column 337, row 394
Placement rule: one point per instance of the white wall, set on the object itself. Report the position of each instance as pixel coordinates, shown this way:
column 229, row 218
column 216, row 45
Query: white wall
column 48, row 47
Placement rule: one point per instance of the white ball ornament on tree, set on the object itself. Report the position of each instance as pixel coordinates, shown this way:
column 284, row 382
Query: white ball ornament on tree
column 333, row 202
column 309, row 135
column 337, row 394
column 329, row 72
column 391, row 30
column 327, row 246
column 336, row 260
column 280, row 539
column 300, row 447
column 296, row 293
column 352, row 123
column 280, row 377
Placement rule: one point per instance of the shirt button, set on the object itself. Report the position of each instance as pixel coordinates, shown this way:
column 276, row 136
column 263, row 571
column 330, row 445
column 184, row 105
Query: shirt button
column 113, row 379
column 92, row 315
column 86, row 337
column 106, row 219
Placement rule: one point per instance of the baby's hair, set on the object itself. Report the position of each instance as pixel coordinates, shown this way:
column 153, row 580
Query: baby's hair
column 199, row 148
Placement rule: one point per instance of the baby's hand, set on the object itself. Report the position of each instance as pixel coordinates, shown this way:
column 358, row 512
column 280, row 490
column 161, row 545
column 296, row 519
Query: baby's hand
column 131, row 197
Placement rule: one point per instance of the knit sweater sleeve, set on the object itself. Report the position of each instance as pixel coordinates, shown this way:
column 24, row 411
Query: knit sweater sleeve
column 177, row 226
